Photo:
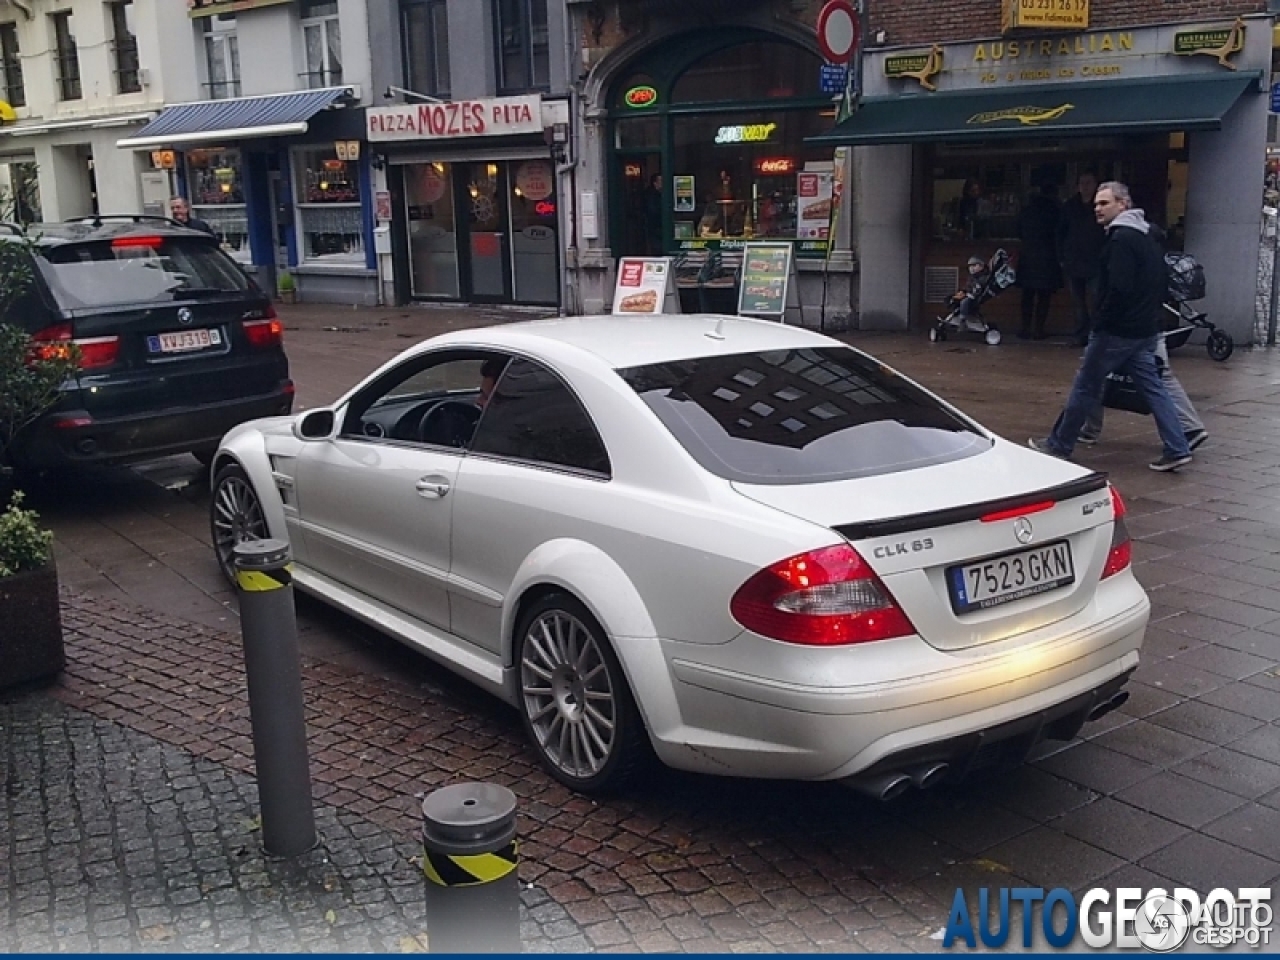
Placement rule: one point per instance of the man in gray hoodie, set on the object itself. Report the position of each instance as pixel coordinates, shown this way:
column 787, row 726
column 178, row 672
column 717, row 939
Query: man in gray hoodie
column 1126, row 328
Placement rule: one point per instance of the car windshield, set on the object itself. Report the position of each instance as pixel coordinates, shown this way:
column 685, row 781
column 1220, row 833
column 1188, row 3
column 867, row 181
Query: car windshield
column 129, row 270
column 801, row 416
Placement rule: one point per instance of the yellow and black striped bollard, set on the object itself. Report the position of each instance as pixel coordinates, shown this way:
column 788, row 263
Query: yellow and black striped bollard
column 269, row 628
column 470, row 861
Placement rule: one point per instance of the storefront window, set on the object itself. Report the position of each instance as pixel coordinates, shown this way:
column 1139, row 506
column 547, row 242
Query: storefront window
column 534, row 247
column 746, row 175
column 330, row 225
column 216, row 186
column 433, row 229
column 751, row 71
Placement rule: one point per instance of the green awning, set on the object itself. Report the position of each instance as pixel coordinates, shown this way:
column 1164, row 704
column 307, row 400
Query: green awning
column 1087, row 108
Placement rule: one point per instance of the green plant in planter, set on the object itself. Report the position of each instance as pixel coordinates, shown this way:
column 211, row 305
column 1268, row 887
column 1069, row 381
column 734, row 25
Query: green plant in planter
column 24, row 544
column 30, row 373
column 285, row 283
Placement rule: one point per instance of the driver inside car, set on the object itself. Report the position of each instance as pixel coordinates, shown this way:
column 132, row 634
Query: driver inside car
column 452, row 424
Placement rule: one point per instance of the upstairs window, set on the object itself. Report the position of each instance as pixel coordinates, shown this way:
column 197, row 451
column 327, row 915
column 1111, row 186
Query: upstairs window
column 125, row 45
column 323, row 43
column 523, row 49
column 68, row 60
column 11, row 66
column 222, row 56
column 425, row 28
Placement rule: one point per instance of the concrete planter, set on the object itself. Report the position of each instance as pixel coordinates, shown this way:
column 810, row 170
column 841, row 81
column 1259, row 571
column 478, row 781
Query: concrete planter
column 31, row 641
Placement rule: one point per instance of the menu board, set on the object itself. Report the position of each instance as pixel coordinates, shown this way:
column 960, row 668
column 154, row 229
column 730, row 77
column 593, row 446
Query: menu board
column 685, row 202
column 646, row 285
column 813, row 205
column 767, row 272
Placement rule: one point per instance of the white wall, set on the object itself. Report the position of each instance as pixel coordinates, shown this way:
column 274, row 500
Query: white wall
column 882, row 235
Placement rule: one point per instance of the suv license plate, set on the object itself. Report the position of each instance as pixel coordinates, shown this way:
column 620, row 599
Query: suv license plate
column 182, row 341
column 1012, row 576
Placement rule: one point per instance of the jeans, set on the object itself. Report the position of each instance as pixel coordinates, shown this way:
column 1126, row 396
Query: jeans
column 1109, row 354
column 1187, row 416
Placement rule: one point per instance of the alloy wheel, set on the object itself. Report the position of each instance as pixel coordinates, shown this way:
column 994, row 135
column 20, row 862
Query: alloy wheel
column 569, row 694
column 237, row 517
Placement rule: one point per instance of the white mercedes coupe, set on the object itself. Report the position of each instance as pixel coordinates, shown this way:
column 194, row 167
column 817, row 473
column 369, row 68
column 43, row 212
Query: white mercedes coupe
column 744, row 547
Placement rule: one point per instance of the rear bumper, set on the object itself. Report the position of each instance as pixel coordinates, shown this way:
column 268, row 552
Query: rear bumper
column 68, row 437
column 776, row 727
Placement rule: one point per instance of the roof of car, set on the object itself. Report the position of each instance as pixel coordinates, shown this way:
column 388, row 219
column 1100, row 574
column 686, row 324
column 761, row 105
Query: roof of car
column 627, row 341
column 89, row 229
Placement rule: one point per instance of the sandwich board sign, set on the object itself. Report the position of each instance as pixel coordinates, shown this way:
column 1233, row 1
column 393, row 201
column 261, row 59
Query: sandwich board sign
column 768, row 285
column 646, row 285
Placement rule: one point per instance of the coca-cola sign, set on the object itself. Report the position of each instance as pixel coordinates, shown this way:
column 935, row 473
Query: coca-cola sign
column 496, row 117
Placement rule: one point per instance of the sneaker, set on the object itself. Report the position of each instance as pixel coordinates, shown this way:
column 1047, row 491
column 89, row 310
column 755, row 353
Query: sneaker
column 1167, row 463
column 1196, row 437
column 1042, row 446
column 1086, row 441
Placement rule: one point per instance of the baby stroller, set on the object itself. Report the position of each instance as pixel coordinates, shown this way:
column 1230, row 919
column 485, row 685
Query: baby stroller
column 987, row 278
column 1186, row 283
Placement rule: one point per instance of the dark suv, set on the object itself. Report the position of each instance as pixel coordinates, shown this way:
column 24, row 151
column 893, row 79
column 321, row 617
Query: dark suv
column 177, row 345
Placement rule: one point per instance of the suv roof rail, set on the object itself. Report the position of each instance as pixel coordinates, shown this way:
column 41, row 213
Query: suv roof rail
column 14, row 228
column 98, row 219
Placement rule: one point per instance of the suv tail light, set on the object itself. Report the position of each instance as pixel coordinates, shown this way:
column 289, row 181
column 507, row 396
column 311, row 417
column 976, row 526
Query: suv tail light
column 56, row 341
column 826, row 597
column 262, row 328
column 1121, row 553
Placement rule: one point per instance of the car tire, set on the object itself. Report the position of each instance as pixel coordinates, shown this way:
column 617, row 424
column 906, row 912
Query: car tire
column 577, row 708
column 235, row 515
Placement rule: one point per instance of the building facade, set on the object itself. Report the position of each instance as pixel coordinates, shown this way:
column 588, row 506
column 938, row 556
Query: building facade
column 470, row 138
column 76, row 76
column 693, row 130
column 972, row 107
column 264, row 135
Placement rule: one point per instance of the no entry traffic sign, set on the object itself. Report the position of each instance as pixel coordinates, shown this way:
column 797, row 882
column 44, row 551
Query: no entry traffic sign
column 838, row 31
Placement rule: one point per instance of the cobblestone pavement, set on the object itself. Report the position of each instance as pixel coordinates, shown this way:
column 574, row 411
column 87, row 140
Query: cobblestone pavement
column 1179, row 787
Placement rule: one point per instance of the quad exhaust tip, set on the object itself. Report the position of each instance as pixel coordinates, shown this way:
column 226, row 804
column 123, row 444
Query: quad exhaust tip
column 1102, row 709
column 888, row 786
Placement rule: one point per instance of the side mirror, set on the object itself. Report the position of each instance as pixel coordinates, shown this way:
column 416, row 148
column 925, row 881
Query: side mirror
column 314, row 425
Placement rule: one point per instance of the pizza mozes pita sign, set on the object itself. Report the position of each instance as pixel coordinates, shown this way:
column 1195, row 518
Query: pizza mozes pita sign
column 495, row 117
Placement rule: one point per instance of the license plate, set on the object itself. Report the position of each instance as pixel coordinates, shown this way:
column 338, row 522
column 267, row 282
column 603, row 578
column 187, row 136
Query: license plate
column 1012, row 576
column 182, row 341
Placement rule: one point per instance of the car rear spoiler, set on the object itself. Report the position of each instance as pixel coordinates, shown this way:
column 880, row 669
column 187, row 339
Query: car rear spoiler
column 971, row 511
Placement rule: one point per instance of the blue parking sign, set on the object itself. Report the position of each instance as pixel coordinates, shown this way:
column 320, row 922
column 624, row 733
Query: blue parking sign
column 833, row 77
column 1275, row 96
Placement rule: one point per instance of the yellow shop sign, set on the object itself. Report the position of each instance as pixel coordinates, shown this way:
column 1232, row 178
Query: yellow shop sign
column 1045, row 15
column 1027, row 116
column 1085, row 45
column 921, row 67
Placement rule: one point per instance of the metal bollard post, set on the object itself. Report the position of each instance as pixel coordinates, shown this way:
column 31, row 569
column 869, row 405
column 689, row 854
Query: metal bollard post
column 470, row 859
column 270, row 631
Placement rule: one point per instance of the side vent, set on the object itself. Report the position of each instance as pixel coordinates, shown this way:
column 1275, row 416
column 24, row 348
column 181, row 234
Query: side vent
column 940, row 283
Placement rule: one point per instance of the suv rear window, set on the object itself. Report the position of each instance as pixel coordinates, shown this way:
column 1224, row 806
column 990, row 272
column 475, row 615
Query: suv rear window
column 801, row 416
column 132, row 269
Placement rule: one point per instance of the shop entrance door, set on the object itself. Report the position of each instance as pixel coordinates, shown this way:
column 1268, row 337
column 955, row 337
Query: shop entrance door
column 488, row 243
column 643, row 207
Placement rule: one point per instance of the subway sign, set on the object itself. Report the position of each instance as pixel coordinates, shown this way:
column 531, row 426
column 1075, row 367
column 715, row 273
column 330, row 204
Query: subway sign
column 746, row 133
column 640, row 97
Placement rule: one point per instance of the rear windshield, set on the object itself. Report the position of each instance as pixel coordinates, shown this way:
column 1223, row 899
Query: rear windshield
column 132, row 270
column 801, row 416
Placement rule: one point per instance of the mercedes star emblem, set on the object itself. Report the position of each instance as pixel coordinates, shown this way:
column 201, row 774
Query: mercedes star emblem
column 1022, row 530
column 184, row 316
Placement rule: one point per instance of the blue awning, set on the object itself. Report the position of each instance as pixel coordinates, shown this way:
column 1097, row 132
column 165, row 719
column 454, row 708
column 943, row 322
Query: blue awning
column 277, row 115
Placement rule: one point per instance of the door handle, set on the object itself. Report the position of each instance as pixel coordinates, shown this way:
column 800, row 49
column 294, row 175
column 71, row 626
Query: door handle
column 432, row 488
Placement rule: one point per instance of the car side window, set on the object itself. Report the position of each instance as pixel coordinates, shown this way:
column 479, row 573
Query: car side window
column 533, row 416
column 432, row 400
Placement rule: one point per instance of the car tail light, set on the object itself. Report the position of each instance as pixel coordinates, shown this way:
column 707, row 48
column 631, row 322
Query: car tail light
column 1121, row 553
column 56, row 342
column 263, row 329
column 125, row 242
column 826, row 597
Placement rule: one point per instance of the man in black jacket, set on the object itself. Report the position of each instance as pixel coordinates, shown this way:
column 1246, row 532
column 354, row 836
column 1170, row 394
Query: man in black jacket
column 1126, row 327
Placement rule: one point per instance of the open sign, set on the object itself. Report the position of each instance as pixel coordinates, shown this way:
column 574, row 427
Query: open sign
column 642, row 96
column 544, row 208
